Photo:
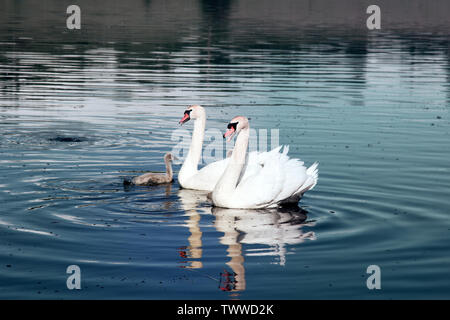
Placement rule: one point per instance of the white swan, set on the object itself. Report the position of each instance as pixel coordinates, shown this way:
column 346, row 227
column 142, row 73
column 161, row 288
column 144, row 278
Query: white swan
column 277, row 179
column 189, row 176
column 206, row 178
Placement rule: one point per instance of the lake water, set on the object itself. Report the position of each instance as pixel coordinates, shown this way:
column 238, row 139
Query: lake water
column 79, row 112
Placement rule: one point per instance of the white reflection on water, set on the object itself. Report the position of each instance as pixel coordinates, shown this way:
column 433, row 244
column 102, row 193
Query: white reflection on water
column 11, row 226
column 273, row 229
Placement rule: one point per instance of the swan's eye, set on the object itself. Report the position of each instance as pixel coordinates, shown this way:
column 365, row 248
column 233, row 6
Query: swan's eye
column 186, row 116
column 232, row 125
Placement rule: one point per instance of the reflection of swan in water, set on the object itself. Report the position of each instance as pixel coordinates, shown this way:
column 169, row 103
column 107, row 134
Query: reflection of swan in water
column 167, row 203
column 168, row 190
column 190, row 200
column 274, row 228
column 271, row 228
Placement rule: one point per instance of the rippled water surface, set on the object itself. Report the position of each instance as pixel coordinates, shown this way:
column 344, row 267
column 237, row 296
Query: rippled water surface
column 79, row 112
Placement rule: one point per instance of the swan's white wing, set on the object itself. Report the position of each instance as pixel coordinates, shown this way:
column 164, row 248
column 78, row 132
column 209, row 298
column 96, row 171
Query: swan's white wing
column 264, row 184
column 207, row 177
column 254, row 163
column 295, row 177
column 312, row 176
column 274, row 179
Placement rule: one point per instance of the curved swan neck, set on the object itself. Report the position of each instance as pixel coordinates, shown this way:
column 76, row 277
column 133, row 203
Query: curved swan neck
column 195, row 150
column 169, row 171
column 240, row 147
column 230, row 177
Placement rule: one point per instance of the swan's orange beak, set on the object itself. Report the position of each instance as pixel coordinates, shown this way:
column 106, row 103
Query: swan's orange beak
column 229, row 134
column 185, row 118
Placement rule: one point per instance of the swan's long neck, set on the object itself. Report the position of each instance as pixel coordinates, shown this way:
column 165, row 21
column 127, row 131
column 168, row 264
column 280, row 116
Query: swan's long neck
column 169, row 171
column 230, row 177
column 190, row 165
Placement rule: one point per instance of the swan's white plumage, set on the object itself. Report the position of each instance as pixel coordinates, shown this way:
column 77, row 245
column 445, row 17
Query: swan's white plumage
column 254, row 191
column 273, row 181
column 205, row 179
column 276, row 179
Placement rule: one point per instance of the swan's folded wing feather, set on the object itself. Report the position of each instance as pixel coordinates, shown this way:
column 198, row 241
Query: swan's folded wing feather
column 312, row 176
column 295, row 177
column 210, row 174
column 207, row 177
column 263, row 186
column 277, row 178
column 313, row 173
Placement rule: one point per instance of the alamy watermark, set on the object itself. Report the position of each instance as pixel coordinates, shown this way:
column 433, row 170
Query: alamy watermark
column 374, row 20
column 74, row 20
column 74, row 280
column 374, row 280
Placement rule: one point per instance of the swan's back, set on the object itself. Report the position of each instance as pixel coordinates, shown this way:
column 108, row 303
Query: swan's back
column 275, row 180
column 151, row 178
column 206, row 178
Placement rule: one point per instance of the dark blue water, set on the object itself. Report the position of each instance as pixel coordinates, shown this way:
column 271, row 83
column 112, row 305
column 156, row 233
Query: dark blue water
column 82, row 111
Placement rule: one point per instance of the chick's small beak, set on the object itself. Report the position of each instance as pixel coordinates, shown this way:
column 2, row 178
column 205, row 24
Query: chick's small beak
column 185, row 118
column 229, row 134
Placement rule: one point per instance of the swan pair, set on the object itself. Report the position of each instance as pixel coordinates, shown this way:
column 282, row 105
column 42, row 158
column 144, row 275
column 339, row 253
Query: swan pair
column 244, row 181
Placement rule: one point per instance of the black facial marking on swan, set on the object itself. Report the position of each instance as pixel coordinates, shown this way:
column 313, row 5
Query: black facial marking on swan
column 232, row 125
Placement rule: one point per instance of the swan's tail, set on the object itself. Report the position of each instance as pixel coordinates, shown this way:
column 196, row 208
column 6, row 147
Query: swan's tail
column 313, row 174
